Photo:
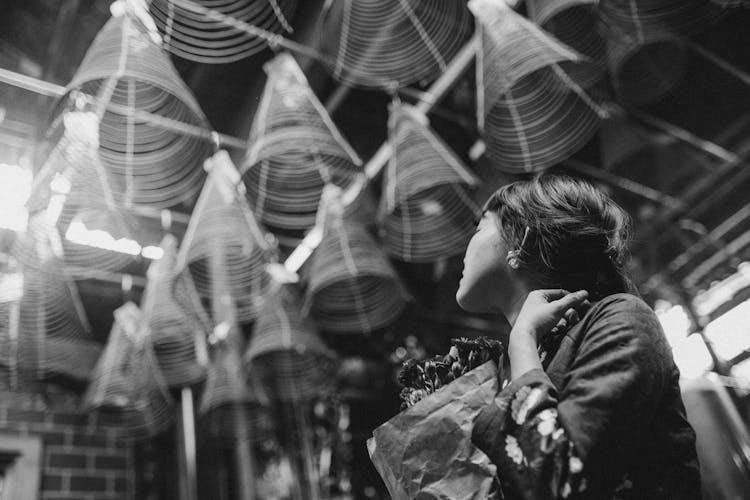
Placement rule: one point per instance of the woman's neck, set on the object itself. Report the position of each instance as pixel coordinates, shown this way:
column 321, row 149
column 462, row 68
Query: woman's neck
column 515, row 302
column 511, row 312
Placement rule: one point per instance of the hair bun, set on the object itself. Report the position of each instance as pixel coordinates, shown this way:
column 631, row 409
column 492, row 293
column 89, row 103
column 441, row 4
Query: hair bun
column 580, row 234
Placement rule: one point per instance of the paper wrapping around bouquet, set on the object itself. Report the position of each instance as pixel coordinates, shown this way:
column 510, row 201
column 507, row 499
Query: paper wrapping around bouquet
column 425, row 452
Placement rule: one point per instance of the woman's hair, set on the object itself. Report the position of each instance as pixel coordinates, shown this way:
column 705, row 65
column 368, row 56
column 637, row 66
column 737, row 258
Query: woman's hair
column 578, row 236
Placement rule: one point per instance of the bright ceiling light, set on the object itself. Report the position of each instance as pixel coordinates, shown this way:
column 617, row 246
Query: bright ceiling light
column 708, row 301
column 692, row 357
column 689, row 351
column 60, row 184
column 15, row 190
column 11, row 287
column 674, row 320
column 728, row 332
column 152, row 252
column 78, row 233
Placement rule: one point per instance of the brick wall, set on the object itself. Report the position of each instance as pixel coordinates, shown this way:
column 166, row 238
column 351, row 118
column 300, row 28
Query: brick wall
column 83, row 457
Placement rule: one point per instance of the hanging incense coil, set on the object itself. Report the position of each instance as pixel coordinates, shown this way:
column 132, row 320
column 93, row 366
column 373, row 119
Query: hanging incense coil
column 575, row 24
column 392, row 43
column 224, row 249
column 426, row 211
column 351, row 286
column 286, row 355
column 644, row 72
column 78, row 195
column 128, row 73
column 295, row 150
column 531, row 113
column 646, row 56
column 126, row 386
column 173, row 334
column 54, row 336
column 204, row 37
column 229, row 409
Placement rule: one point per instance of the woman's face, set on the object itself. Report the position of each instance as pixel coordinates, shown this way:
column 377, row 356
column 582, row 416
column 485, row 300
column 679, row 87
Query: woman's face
column 487, row 279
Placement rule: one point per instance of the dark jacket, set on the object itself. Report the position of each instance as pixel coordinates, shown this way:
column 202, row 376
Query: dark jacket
column 604, row 420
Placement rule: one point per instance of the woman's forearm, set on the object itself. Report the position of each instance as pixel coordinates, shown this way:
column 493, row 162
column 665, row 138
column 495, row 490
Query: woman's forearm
column 522, row 351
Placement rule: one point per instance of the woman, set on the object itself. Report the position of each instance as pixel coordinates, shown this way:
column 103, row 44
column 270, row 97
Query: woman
column 593, row 407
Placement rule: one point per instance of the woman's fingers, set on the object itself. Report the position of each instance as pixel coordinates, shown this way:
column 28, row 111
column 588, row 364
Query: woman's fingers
column 570, row 301
column 551, row 294
column 571, row 316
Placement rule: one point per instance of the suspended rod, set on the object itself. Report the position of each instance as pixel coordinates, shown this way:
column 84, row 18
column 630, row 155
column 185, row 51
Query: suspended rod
column 54, row 90
column 623, row 183
column 702, row 186
column 85, row 273
column 704, row 268
column 710, row 239
column 684, row 135
column 720, row 62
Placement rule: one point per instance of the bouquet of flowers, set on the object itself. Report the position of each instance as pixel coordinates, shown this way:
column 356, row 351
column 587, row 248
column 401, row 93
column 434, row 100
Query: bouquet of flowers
column 426, row 451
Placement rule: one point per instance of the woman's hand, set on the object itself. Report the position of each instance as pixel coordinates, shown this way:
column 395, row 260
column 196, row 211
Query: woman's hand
column 542, row 311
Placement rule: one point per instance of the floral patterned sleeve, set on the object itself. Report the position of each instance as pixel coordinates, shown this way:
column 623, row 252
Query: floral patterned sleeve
column 574, row 444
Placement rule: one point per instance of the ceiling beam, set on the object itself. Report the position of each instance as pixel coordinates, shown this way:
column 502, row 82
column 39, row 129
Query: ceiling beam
column 731, row 250
column 699, row 189
column 623, row 183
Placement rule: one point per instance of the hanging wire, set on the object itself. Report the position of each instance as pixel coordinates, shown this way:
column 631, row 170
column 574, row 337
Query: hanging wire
column 295, row 148
column 285, row 354
column 53, row 336
column 192, row 34
column 223, row 230
column 351, row 286
column 728, row 4
column 126, row 386
column 76, row 193
column 229, row 409
column 646, row 19
column 153, row 165
column 623, row 143
column 392, row 43
column 426, row 212
column 173, row 334
column 575, row 24
column 531, row 113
